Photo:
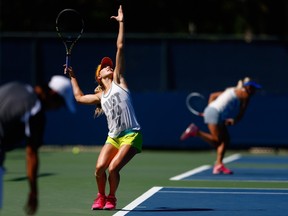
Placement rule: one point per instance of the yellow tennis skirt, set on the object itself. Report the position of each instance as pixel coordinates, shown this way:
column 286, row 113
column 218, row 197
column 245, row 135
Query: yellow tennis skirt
column 128, row 137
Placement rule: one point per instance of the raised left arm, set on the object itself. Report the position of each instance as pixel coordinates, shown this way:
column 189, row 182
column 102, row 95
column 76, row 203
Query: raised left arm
column 120, row 57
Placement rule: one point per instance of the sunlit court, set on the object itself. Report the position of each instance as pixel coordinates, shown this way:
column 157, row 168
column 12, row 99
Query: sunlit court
column 117, row 108
column 258, row 186
column 221, row 200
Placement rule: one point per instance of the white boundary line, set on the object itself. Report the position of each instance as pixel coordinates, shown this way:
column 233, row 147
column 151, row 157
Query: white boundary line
column 232, row 158
column 191, row 172
column 137, row 201
column 204, row 167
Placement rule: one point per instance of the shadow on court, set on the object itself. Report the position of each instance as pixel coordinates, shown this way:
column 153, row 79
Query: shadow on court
column 24, row 178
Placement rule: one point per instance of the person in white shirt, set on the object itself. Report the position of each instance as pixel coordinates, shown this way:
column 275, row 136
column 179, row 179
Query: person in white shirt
column 223, row 109
column 113, row 98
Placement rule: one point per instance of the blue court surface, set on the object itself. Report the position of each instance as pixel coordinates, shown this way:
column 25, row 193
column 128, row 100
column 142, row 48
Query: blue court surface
column 209, row 201
column 220, row 201
column 245, row 168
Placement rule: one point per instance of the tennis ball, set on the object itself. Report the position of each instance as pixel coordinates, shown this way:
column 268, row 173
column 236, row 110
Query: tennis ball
column 75, row 150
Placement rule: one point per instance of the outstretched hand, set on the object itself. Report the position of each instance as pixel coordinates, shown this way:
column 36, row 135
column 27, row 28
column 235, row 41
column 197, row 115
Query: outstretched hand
column 120, row 16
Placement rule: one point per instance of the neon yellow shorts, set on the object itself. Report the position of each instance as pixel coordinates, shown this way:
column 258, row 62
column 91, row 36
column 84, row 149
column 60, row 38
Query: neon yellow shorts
column 133, row 138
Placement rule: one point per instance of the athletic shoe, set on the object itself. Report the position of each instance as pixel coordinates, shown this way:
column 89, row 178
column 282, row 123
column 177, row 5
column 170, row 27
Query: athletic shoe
column 110, row 203
column 191, row 131
column 99, row 202
column 221, row 169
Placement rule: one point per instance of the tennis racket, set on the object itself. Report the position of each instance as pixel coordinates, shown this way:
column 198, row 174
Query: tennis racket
column 196, row 103
column 69, row 27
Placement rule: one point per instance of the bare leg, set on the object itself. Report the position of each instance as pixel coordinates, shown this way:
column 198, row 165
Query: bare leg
column 221, row 149
column 214, row 137
column 218, row 138
column 124, row 155
column 105, row 157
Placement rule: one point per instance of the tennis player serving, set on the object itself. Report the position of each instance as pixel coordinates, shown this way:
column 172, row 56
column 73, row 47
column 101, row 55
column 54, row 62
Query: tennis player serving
column 113, row 98
column 223, row 109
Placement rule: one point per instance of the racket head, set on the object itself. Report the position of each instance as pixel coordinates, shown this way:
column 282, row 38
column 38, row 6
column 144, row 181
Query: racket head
column 196, row 103
column 69, row 26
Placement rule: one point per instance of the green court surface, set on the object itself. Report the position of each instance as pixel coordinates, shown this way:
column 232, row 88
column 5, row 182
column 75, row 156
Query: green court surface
column 67, row 184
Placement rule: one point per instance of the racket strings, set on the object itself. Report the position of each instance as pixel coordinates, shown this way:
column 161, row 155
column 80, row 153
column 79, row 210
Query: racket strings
column 196, row 103
column 69, row 25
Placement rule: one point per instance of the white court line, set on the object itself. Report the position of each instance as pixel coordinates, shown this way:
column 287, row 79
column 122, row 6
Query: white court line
column 138, row 201
column 191, row 172
column 204, row 167
column 232, row 158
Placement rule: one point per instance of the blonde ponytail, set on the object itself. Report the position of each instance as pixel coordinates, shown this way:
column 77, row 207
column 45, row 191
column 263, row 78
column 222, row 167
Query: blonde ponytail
column 98, row 110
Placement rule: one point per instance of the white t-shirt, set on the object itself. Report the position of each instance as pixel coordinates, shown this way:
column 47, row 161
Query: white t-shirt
column 119, row 111
column 226, row 103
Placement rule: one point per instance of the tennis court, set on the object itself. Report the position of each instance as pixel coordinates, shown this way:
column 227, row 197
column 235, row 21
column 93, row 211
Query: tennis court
column 149, row 184
column 209, row 201
column 220, row 201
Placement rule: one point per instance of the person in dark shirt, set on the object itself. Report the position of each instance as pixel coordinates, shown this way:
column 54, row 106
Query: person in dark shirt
column 22, row 120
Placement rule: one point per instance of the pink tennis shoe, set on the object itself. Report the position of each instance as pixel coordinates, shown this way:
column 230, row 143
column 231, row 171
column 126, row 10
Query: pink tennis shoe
column 190, row 131
column 110, row 203
column 103, row 202
column 221, row 169
column 99, row 202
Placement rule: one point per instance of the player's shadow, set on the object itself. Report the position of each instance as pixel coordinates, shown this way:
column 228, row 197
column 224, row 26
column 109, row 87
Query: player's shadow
column 25, row 177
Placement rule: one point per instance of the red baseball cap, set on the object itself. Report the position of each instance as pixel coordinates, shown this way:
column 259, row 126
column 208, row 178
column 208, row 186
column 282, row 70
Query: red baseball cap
column 106, row 61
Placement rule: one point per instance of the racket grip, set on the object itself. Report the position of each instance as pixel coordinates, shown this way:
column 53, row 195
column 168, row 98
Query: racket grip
column 68, row 60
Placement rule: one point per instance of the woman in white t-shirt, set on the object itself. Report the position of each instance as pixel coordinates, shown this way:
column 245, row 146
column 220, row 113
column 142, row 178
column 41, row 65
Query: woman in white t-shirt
column 224, row 108
column 124, row 139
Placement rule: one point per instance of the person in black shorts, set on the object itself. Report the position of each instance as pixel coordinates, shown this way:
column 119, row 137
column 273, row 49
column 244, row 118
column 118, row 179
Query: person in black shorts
column 22, row 121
